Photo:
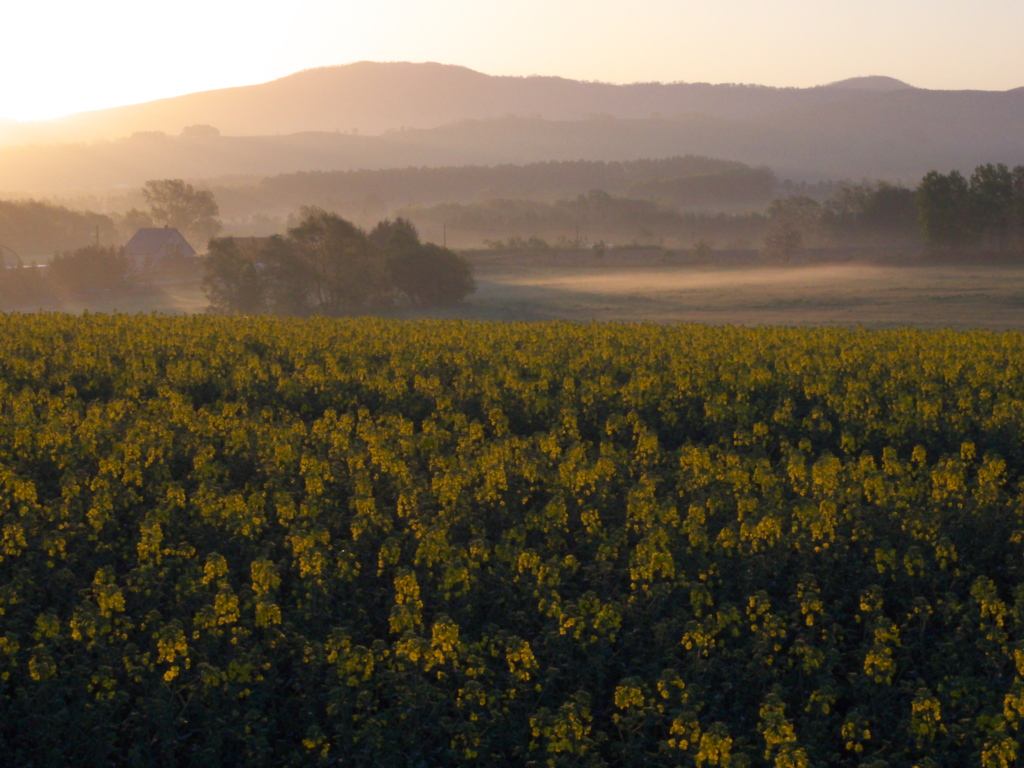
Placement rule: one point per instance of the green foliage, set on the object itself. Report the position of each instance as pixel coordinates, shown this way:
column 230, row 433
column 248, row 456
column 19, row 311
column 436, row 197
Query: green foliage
column 35, row 228
column 277, row 542
column 427, row 274
column 326, row 265
column 432, row 276
column 91, row 270
column 427, row 186
column 881, row 213
column 173, row 203
column 944, row 211
column 597, row 215
column 733, row 186
column 231, row 277
column 955, row 213
column 992, row 200
column 790, row 220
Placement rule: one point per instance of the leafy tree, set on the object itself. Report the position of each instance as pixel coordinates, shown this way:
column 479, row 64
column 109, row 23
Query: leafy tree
column 432, row 276
column 701, row 250
column 395, row 238
column 871, row 212
column 1018, row 204
column 782, row 240
column 429, row 275
column 173, row 203
column 199, row 132
column 992, row 201
column 890, row 209
column 790, row 220
column 328, row 265
column 91, row 269
column 132, row 221
column 233, row 281
column 943, row 206
column 34, row 227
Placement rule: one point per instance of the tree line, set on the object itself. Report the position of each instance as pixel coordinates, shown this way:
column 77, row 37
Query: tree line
column 88, row 276
column 30, row 228
column 586, row 218
column 947, row 213
column 327, row 265
column 699, row 180
column 636, row 202
column 34, row 228
column 986, row 210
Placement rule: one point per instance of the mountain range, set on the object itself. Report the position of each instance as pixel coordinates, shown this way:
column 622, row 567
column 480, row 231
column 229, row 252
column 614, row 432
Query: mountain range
column 387, row 115
column 373, row 98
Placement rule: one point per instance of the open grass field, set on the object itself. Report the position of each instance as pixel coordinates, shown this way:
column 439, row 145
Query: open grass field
column 874, row 296
column 847, row 294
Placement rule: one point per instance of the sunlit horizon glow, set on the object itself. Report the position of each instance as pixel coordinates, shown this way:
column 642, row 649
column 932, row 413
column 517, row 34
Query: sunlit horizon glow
column 60, row 58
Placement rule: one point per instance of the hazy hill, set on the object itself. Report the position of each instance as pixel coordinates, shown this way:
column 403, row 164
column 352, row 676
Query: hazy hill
column 376, row 97
column 870, row 83
column 435, row 115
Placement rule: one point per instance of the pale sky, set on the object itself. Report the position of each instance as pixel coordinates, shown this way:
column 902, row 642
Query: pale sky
column 64, row 56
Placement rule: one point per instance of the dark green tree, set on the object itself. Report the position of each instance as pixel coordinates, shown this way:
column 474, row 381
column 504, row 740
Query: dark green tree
column 1018, row 204
column 790, row 220
column 432, row 276
column 173, row 203
column 992, row 202
column 33, row 228
column 428, row 275
column 874, row 213
column 944, row 211
column 396, row 237
column 233, row 278
column 782, row 240
column 326, row 265
column 91, row 270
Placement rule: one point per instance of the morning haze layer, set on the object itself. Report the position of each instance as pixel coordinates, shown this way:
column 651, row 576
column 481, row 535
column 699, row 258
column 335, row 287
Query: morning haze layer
column 376, row 115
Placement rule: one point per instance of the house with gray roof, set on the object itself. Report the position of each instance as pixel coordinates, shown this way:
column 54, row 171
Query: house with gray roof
column 152, row 244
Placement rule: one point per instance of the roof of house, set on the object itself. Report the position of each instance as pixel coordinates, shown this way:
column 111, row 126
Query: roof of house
column 150, row 240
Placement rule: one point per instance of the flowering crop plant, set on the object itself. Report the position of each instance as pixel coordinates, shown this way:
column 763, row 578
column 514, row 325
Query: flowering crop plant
column 363, row 542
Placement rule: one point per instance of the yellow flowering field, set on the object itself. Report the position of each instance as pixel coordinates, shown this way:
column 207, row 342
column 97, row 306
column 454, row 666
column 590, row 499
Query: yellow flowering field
column 363, row 542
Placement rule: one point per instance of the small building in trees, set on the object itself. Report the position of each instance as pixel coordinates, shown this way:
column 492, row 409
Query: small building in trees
column 151, row 245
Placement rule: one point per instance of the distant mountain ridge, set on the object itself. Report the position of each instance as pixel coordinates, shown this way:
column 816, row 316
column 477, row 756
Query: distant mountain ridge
column 871, row 83
column 373, row 97
column 372, row 115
